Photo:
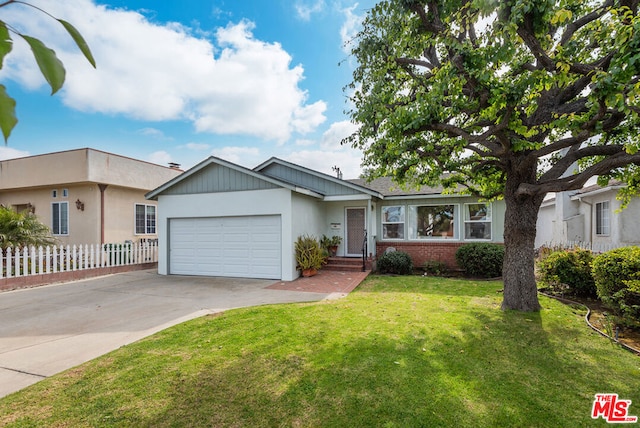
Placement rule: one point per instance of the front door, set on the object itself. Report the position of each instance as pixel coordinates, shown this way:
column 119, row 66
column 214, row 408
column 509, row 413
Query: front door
column 355, row 231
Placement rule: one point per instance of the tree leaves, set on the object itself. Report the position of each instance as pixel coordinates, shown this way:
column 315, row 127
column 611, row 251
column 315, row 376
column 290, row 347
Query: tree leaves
column 6, row 44
column 8, row 118
column 80, row 42
column 50, row 66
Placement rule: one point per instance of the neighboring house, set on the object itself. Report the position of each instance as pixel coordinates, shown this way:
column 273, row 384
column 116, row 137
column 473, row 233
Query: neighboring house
column 221, row 219
column 590, row 217
column 85, row 196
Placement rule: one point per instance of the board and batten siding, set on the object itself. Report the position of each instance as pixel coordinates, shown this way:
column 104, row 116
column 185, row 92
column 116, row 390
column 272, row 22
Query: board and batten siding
column 308, row 181
column 218, row 178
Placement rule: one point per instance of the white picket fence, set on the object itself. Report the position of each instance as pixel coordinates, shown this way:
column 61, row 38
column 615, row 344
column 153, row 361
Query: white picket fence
column 17, row 262
column 593, row 247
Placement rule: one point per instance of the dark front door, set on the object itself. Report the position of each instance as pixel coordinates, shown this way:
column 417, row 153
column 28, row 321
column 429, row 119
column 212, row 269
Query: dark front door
column 355, row 231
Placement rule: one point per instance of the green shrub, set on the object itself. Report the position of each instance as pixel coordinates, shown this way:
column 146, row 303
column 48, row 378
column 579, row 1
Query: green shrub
column 434, row 267
column 617, row 277
column 481, row 259
column 397, row 262
column 571, row 268
column 309, row 254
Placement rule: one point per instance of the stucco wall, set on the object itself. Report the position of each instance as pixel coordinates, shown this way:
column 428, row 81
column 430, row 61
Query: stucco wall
column 630, row 223
column 248, row 203
column 545, row 225
column 84, row 224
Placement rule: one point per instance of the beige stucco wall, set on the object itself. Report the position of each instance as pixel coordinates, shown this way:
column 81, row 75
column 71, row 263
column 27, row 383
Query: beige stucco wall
column 33, row 180
column 82, row 165
column 84, row 225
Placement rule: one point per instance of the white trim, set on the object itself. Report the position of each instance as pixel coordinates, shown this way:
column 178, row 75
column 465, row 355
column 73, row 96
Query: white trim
column 595, row 192
column 346, row 229
column 456, row 225
column 307, row 192
column 608, row 218
column 135, row 225
column 68, row 219
column 426, row 196
column 404, row 222
column 464, row 222
column 343, row 198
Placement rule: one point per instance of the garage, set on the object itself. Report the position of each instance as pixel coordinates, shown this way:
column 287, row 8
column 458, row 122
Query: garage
column 242, row 246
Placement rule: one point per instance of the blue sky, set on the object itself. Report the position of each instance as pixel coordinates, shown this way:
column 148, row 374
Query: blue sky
column 178, row 81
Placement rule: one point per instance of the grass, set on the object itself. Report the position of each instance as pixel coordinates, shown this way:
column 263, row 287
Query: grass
column 398, row 352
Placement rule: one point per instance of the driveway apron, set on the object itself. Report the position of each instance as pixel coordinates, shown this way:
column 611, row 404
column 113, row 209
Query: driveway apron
column 46, row 330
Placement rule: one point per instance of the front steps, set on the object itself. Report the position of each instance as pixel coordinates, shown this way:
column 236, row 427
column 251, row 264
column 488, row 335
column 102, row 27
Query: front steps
column 346, row 264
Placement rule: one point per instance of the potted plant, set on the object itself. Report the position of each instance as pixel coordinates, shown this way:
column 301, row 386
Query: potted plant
column 331, row 244
column 309, row 257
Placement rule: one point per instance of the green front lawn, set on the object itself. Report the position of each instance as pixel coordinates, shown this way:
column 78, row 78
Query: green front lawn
column 398, row 352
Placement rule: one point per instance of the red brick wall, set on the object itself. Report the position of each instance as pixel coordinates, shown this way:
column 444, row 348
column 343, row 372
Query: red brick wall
column 52, row 278
column 421, row 252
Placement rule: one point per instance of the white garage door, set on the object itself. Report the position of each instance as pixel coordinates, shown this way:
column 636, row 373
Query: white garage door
column 245, row 247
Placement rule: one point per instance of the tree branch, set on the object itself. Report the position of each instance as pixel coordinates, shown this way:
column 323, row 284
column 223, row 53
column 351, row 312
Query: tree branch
column 577, row 181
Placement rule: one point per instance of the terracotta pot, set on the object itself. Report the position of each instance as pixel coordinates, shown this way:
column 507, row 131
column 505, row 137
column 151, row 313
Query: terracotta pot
column 309, row 272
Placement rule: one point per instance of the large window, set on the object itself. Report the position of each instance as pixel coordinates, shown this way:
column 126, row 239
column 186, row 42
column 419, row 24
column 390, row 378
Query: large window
column 603, row 219
column 145, row 219
column 60, row 218
column 393, row 222
column 432, row 221
column 477, row 221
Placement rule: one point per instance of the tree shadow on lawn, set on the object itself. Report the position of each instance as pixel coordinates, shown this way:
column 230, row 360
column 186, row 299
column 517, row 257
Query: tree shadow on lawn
column 504, row 369
column 430, row 285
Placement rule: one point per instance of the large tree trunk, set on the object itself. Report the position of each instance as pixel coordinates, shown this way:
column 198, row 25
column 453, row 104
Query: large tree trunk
column 520, row 290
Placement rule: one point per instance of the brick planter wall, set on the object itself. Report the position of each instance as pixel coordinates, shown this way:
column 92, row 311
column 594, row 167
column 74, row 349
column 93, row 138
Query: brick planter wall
column 422, row 252
column 52, row 278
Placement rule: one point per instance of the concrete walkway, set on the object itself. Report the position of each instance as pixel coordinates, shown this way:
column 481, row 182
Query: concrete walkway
column 49, row 329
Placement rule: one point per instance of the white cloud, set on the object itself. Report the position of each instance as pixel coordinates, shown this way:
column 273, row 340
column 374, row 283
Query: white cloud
column 248, row 157
column 305, row 10
column 147, row 71
column 350, row 27
column 333, row 136
column 331, row 152
column 197, row 146
column 10, row 153
column 347, row 160
column 152, row 132
column 305, row 142
column 160, row 157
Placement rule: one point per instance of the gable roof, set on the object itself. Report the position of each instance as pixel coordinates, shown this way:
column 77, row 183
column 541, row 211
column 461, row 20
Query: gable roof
column 218, row 175
column 322, row 183
column 387, row 187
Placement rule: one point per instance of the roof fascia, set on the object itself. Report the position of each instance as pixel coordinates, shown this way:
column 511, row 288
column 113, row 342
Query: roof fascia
column 427, row 196
column 578, row 196
column 275, row 160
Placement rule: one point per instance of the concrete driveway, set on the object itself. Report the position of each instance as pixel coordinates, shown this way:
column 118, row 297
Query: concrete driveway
column 46, row 330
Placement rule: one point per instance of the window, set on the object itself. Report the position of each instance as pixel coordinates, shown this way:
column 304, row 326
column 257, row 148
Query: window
column 60, row 218
column 603, row 220
column 54, row 193
column 65, row 193
column 477, row 221
column 145, row 219
column 432, row 221
column 393, row 222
